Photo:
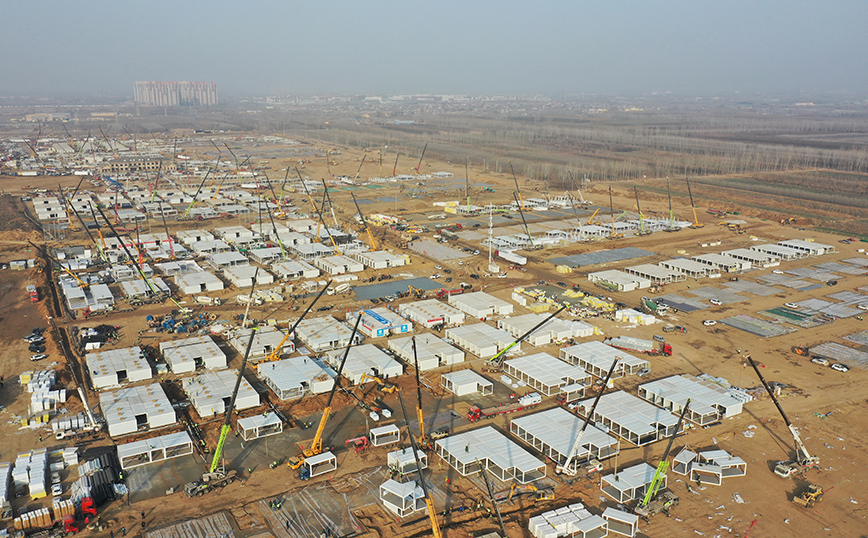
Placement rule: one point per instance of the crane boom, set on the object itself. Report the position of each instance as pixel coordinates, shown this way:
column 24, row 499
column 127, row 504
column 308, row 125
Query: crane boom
column 497, row 358
column 520, row 201
column 275, row 355
column 64, row 269
column 692, row 205
column 422, row 439
column 364, row 222
column 521, row 212
column 577, row 443
column 227, row 426
column 432, row 514
column 663, row 466
column 803, row 457
column 419, row 166
column 671, row 214
column 639, row 209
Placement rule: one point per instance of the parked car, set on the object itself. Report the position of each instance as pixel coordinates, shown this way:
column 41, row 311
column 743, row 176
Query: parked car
column 643, row 372
column 778, row 272
column 36, row 348
column 709, row 322
column 863, row 306
column 791, row 305
column 438, row 267
column 820, row 360
column 659, row 338
column 38, row 357
column 34, row 338
column 715, row 302
column 840, row 367
column 832, row 283
column 681, row 329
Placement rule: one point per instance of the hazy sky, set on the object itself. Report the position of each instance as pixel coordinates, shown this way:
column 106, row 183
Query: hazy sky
column 470, row 46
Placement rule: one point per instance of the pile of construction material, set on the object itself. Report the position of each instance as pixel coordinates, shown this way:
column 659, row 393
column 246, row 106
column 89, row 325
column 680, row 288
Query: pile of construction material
column 30, row 471
column 572, row 520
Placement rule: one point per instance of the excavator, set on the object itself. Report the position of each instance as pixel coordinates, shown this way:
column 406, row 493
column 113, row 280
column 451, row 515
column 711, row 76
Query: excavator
column 315, row 447
column 546, row 494
column 382, row 384
column 803, row 460
column 591, row 218
column 655, row 500
column 429, row 502
column 217, row 476
column 592, row 465
column 277, row 353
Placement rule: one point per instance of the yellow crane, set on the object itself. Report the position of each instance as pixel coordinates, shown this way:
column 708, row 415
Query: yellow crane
column 613, row 234
column 315, row 447
column 364, row 223
column 432, row 514
column 423, row 439
column 277, row 353
column 591, row 218
column 696, row 223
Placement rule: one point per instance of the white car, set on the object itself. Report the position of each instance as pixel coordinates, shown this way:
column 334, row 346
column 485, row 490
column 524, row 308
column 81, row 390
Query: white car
column 715, row 302
column 57, row 489
column 791, row 305
column 709, row 322
column 38, row 357
column 778, row 272
column 438, row 267
column 820, row 360
column 862, row 306
column 840, row 367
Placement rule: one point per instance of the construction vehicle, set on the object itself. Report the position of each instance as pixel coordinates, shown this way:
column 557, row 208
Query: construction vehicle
column 424, row 442
column 801, row 350
column 655, row 500
column 789, row 220
column 364, row 223
column 639, row 345
column 359, row 444
column 803, row 460
column 642, row 230
column 382, row 384
column 501, row 355
column 654, row 307
column 32, row 292
column 696, row 223
column 84, row 285
column 443, row 292
column 477, row 413
column 315, row 447
column 277, row 353
column 515, row 490
column 613, row 234
column 591, row 218
column 416, row 291
column 217, row 476
column 809, row 497
column 567, row 467
column 429, row 502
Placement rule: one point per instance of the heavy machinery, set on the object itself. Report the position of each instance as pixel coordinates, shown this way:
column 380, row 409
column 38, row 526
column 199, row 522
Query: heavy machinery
column 217, row 476
column 484, row 472
column 803, row 459
column 315, row 447
column 423, row 439
column 359, row 444
column 591, row 218
column 567, row 467
column 613, row 234
column 696, row 223
column 546, row 494
column 642, row 230
column 364, row 223
column 382, row 384
column 809, row 497
column 477, row 413
column 84, row 285
column 277, row 353
column 501, row 355
column 656, row 501
column 429, row 503
column 672, row 227
column 655, row 307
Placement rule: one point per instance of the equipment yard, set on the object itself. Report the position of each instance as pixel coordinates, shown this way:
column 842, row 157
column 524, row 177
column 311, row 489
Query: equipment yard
column 334, row 457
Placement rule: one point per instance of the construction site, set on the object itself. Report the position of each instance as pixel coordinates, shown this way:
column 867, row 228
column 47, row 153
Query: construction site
column 251, row 336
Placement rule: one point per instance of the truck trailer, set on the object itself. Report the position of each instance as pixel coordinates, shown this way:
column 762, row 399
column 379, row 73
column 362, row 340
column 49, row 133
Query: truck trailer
column 476, row 413
column 650, row 347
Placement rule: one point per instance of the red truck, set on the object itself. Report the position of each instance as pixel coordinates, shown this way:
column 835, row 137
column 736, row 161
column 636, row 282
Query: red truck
column 476, row 413
column 33, row 293
column 441, row 293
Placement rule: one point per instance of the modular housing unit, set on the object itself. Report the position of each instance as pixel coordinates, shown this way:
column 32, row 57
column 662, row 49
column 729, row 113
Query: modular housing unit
column 619, row 280
column 709, row 403
column 545, row 373
column 296, row 376
column 380, row 322
column 209, row 392
column 431, row 351
column 480, row 305
column 292, row 270
column 259, row 426
column 596, row 358
column 629, row 484
column 338, row 265
column 241, row 276
column 431, row 313
column 385, row 435
column 380, row 259
column 554, row 330
column 325, row 333
column 404, row 462
column 402, row 499
column 188, row 354
column 481, row 339
column 466, row 382
column 810, row 247
column 266, row 340
column 193, row 283
column 154, row 450
column 574, row 521
column 366, row 359
column 485, row 448
column 133, row 409
column 630, row 418
column 115, row 366
column 656, row 274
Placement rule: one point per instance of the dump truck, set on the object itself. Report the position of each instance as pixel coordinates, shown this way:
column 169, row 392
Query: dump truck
column 476, row 413
column 650, row 347
column 656, row 308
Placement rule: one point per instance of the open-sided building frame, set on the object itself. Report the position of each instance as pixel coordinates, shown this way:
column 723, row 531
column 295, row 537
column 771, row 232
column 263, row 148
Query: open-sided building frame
column 596, row 358
column 155, row 449
column 545, row 373
column 708, row 403
column 486, row 448
column 630, row 418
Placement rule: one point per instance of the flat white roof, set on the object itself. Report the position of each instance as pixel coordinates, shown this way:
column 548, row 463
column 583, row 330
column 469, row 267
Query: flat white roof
column 482, row 334
column 209, row 390
column 558, row 428
column 324, row 329
column 112, row 361
column 685, row 265
column 617, row 276
column 718, row 259
column 549, row 370
column 631, row 412
column 466, row 377
column 486, row 443
column 654, row 271
column 293, row 373
column 364, row 358
column 478, row 300
column 190, row 349
column 258, row 421
column 222, row 258
column 429, row 309
column 147, row 445
column 125, row 404
column 703, row 396
column 601, row 355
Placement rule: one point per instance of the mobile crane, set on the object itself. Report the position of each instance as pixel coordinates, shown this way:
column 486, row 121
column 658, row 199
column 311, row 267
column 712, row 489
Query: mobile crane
column 423, row 439
column 498, row 359
column 613, row 234
column 803, row 459
column 656, row 501
column 429, row 503
column 278, row 351
column 567, row 467
column 642, row 230
column 84, row 285
column 217, row 476
column 315, row 447
column 364, row 224
column 696, row 223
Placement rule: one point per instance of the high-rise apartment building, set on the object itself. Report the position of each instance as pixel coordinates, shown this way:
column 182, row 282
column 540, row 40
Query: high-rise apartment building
column 176, row 93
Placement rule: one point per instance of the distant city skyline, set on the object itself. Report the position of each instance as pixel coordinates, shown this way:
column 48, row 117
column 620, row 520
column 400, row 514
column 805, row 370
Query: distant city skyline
column 485, row 47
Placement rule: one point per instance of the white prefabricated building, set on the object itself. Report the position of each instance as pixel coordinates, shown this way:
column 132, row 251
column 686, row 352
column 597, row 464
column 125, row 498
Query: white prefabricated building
column 486, row 448
column 320, row 464
column 619, row 280
column 266, row 340
column 192, row 283
column 294, row 269
column 186, row 355
column 156, row 449
column 553, row 432
column 465, row 382
column 365, row 359
column 325, row 333
column 631, row 418
column 380, row 259
column 629, row 484
column 431, row 312
column 431, row 351
column 574, row 521
column 402, row 499
column 630, row 315
column 554, row 330
column 259, row 426
column 115, row 366
column 380, row 322
column 481, row 339
column 596, row 358
column 296, row 376
column 338, row 265
column 209, row 392
column 709, row 403
column 480, row 305
column 545, row 373
column 385, row 435
column 133, row 409
column 403, row 460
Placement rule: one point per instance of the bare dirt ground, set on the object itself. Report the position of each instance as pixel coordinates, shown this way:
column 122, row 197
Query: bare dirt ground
column 838, row 438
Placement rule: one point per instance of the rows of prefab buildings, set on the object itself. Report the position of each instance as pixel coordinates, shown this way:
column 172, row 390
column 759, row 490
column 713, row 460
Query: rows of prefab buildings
column 710, row 265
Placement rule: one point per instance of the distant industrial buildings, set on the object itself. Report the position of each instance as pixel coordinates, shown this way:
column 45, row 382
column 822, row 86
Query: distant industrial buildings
column 176, row 93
